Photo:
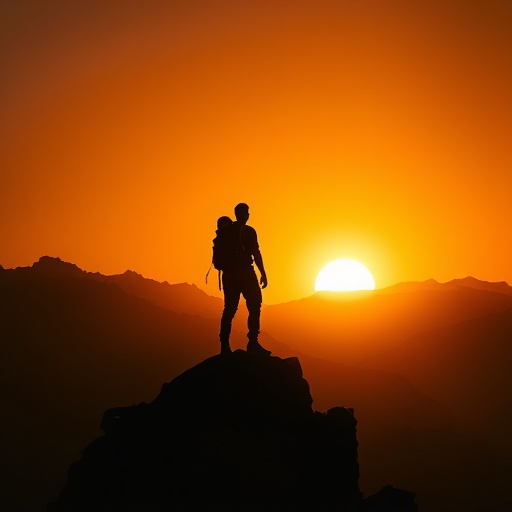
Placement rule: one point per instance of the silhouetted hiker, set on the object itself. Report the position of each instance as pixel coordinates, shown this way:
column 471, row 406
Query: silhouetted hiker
column 239, row 277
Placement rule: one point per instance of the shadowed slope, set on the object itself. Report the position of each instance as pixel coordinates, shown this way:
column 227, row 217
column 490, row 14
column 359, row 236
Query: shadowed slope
column 471, row 363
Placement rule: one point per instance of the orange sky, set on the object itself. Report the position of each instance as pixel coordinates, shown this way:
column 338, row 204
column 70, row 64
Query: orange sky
column 373, row 130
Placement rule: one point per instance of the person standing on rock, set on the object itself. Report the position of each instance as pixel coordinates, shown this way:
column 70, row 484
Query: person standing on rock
column 239, row 278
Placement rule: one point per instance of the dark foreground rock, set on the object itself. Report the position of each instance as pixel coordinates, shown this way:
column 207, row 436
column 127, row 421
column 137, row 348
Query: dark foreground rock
column 233, row 433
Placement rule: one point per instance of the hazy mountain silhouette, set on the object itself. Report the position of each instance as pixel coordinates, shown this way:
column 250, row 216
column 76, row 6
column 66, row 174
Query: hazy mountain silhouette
column 353, row 327
column 75, row 343
column 180, row 298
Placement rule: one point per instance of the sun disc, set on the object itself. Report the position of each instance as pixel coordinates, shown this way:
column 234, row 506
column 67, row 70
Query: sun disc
column 344, row 275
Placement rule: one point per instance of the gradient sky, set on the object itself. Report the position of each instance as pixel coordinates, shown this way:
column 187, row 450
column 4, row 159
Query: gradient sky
column 373, row 130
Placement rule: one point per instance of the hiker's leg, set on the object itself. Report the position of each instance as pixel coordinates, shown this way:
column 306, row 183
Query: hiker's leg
column 253, row 299
column 253, row 320
column 231, row 300
column 252, row 294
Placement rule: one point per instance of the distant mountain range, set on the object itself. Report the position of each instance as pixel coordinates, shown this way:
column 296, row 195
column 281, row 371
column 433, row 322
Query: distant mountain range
column 467, row 282
column 424, row 365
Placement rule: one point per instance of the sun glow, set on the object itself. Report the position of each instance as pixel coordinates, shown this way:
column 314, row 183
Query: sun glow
column 344, row 275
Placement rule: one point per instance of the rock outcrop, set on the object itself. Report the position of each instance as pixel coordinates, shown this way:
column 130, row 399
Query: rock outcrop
column 232, row 433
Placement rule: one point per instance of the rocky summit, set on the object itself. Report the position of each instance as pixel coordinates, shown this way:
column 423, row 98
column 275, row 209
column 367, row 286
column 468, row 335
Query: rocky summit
column 235, row 432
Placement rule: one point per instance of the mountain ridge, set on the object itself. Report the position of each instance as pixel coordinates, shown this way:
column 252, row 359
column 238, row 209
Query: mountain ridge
column 54, row 266
column 466, row 282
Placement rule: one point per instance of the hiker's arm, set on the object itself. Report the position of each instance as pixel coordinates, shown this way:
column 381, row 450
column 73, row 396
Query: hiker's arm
column 255, row 251
column 259, row 263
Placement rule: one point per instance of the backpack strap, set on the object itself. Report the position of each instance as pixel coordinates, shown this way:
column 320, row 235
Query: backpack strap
column 242, row 227
column 206, row 279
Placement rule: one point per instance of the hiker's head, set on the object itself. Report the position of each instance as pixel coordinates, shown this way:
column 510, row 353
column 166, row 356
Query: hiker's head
column 242, row 212
column 223, row 221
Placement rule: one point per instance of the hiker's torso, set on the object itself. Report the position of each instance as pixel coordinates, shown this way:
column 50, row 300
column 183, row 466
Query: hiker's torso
column 247, row 246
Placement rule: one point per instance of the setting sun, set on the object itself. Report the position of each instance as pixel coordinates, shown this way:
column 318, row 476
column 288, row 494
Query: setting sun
column 344, row 275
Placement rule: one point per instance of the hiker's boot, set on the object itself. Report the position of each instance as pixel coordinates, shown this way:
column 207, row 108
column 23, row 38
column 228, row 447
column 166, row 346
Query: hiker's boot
column 224, row 347
column 254, row 347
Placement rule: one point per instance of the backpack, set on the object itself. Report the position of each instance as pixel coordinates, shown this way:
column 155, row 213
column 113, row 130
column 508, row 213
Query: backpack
column 228, row 251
